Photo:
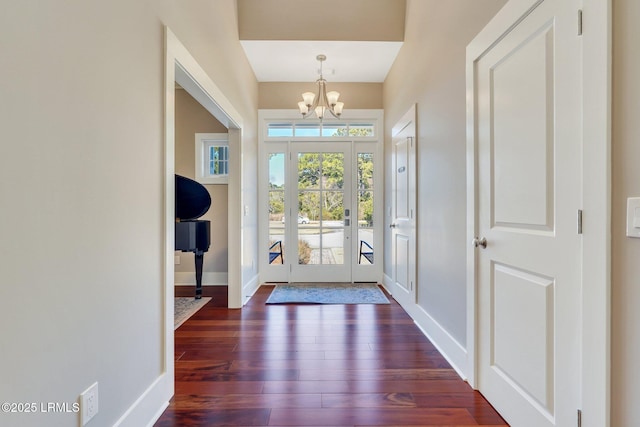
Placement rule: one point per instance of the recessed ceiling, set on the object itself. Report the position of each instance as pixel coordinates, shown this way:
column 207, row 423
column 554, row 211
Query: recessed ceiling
column 295, row 61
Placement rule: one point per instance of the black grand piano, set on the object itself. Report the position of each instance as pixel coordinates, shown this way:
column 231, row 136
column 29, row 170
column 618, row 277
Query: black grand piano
column 192, row 235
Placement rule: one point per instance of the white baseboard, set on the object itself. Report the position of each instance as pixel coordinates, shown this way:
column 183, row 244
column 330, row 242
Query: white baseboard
column 250, row 288
column 387, row 283
column 184, row 278
column 451, row 349
column 148, row 408
column 158, row 414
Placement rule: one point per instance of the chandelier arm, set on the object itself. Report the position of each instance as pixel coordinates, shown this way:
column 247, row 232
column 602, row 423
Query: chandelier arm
column 332, row 113
column 321, row 100
column 328, row 107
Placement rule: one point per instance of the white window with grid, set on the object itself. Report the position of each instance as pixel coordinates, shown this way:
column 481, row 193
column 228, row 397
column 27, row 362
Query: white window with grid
column 212, row 158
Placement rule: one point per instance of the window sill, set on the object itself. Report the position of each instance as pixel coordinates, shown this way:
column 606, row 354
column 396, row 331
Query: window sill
column 213, row 179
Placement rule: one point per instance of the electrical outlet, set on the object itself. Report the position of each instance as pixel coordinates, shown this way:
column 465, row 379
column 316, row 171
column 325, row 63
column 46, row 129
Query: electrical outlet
column 89, row 403
column 176, row 260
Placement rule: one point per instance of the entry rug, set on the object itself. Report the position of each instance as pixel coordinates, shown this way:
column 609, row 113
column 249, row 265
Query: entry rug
column 328, row 294
column 185, row 307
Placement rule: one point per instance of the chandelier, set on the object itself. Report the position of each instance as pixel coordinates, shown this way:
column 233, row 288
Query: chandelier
column 323, row 102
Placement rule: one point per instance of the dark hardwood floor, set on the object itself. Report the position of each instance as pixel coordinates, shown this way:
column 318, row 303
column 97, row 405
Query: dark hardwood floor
column 314, row 365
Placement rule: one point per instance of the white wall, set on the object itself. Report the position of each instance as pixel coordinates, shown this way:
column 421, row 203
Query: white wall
column 81, row 184
column 430, row 71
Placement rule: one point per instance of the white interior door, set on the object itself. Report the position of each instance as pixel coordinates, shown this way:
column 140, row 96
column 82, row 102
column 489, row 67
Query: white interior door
column 528, row 106
column 403, row 225
column 320, row 213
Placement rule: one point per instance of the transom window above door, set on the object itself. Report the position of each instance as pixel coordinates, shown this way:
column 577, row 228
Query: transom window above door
column 326, row 129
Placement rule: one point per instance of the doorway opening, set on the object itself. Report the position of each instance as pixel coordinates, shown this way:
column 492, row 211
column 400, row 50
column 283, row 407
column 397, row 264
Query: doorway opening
column 182, row 69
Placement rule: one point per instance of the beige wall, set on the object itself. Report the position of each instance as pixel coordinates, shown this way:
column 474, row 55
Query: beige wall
column 626, row 183
column 430, row 71
column 81, row 184
column 376, row 20
column 192, row 118
column 287, row 95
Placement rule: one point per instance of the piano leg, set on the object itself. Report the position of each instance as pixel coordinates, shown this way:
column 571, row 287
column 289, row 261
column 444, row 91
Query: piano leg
column 199, row 258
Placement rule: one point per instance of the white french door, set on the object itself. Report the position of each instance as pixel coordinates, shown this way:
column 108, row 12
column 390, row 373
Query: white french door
column 320, row 216
column 324, row 214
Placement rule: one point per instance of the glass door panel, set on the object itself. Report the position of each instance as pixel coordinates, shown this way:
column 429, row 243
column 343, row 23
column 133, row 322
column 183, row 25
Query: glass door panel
column 369, row 250
column 365, row 227
column 277, row 169
column 322, row 223
column 365, row 196
column 308, row 226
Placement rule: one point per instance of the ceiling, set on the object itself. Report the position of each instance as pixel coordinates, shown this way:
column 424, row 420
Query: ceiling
column 295, row 60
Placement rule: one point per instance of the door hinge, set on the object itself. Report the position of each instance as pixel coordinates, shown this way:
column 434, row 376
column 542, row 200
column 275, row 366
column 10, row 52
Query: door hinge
column 579, row 221
column 579, row 22
column 579, row 418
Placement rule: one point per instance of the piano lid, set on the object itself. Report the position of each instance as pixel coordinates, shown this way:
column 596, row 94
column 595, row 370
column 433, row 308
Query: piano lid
column 192, row 199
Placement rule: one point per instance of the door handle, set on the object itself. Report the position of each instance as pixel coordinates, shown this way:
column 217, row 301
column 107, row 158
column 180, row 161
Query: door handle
column 393, row 225
column 480, row 242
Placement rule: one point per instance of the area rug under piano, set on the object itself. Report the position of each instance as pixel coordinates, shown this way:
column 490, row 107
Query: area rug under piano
column 185, row 307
